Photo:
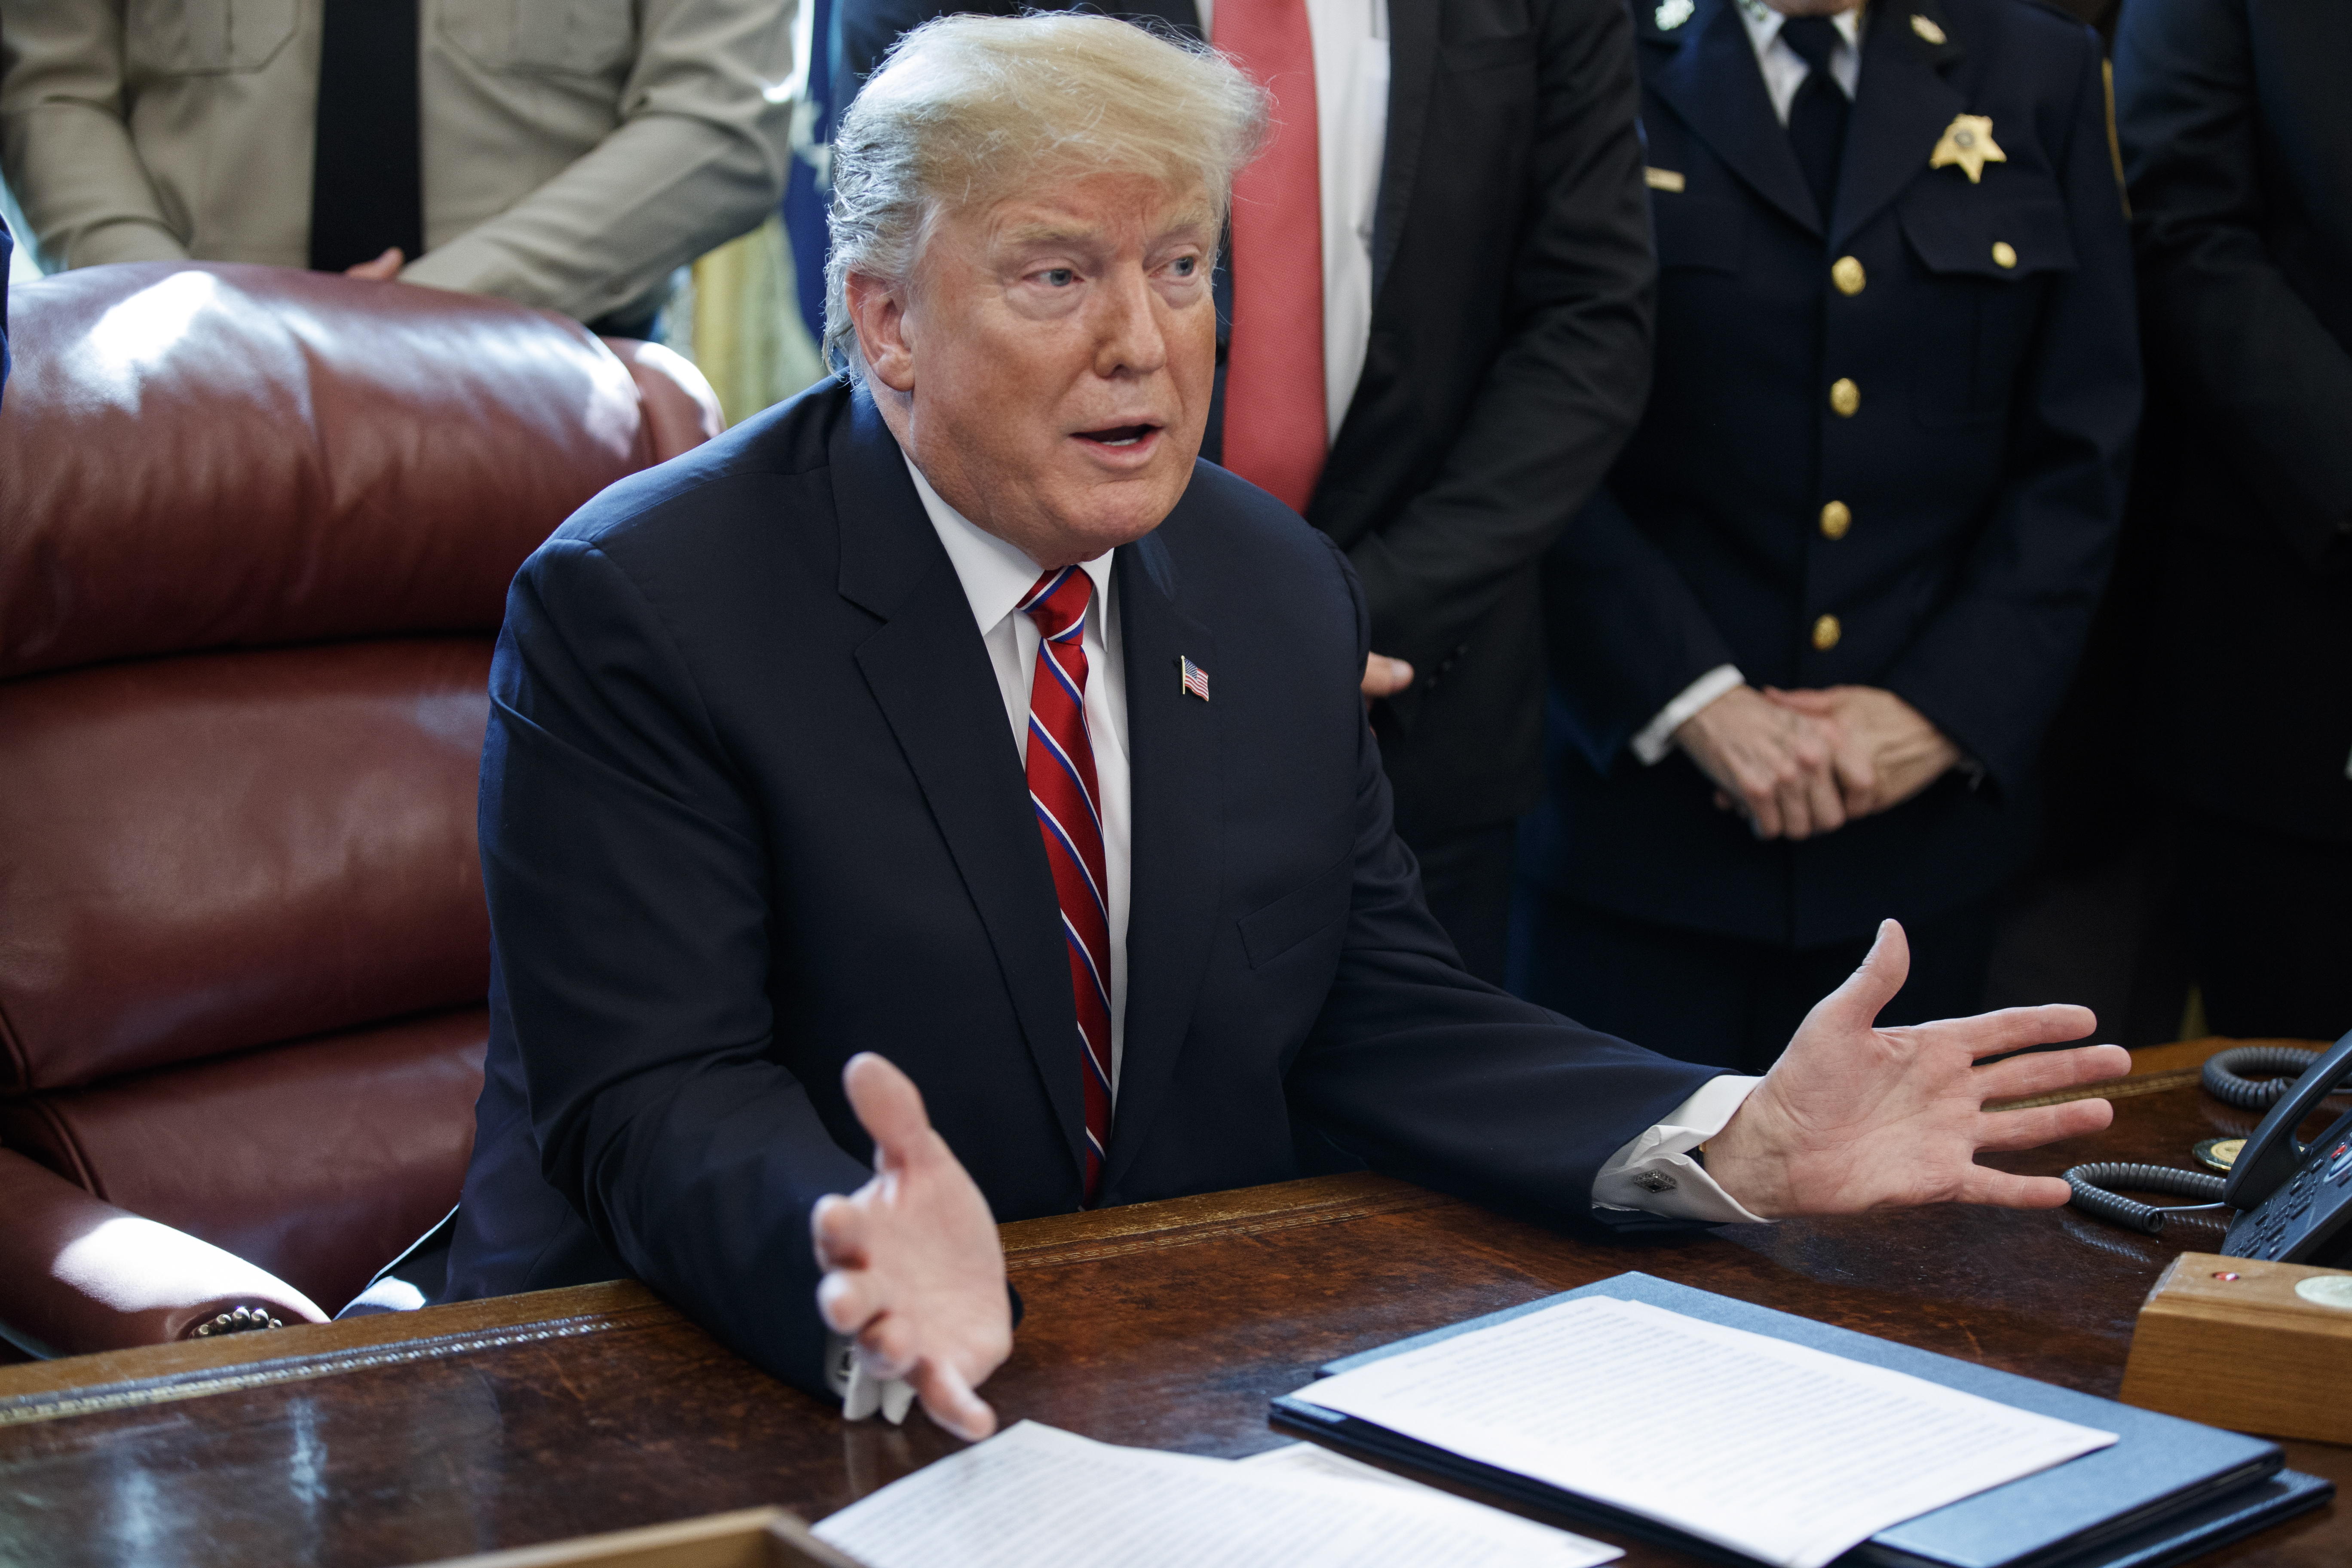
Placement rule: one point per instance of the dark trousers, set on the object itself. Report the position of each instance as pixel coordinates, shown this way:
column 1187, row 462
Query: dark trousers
column 1716, row 999
column 1466, row 877
column 2270, row 922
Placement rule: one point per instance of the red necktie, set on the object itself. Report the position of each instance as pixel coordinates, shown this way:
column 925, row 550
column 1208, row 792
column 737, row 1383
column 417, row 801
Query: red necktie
column 1275, row 426
column 1062, row 789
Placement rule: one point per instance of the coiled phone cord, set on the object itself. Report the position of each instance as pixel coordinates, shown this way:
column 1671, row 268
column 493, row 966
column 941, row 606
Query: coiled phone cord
column 2090, row 1185
column 2226, row 1081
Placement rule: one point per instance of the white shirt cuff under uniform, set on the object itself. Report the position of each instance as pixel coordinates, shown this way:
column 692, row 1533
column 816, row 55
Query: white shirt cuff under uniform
column 1657, row 737
column 1655, row 1173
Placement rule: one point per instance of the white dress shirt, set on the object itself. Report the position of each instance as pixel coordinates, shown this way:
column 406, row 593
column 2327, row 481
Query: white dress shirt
column 1784, row 69
column 1351, row 129
column 1784, row 72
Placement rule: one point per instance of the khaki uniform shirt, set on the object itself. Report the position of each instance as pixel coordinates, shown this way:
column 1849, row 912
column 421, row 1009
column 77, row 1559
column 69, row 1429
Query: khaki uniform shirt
column 574, row 151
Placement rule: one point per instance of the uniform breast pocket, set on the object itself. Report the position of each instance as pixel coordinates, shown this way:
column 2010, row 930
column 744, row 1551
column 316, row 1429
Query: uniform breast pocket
column 1276, row 928
column 1702, row 232
column 566, row 38
column 1990, row 262
column 204, row 37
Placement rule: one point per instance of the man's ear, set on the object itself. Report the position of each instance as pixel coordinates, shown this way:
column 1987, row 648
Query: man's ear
column 878, row 311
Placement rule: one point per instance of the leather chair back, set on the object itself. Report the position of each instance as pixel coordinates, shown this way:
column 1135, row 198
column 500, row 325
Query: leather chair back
column 256, row 531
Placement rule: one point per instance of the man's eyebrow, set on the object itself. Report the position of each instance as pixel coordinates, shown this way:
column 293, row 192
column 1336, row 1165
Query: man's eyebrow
column 1045, row 232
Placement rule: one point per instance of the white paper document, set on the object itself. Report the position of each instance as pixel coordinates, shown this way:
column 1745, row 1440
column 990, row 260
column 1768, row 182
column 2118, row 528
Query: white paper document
column 1786, row 1453
column 1033, row 1496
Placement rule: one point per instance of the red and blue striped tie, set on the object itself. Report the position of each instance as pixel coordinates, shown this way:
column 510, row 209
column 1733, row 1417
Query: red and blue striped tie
column 1068, row 802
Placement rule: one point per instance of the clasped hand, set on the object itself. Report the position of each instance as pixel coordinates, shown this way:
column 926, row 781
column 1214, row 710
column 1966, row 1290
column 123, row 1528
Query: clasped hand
column 1800, row 763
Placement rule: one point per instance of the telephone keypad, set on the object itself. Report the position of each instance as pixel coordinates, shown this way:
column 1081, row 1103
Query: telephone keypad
column 2293, row 1219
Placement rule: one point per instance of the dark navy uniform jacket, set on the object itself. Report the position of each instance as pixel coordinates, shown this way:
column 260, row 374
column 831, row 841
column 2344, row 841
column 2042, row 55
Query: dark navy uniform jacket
column 1987, row 331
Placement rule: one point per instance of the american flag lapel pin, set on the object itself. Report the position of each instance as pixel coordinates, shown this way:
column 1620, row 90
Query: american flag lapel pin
column 1196, row 679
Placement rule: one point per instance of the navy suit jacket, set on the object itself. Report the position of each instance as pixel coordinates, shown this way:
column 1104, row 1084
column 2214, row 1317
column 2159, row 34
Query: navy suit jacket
column 750, row 804
column 1984, row 468
column 2236, row 134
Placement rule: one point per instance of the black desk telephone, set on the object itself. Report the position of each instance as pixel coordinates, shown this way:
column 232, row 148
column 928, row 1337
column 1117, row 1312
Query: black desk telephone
column 2293, row 1199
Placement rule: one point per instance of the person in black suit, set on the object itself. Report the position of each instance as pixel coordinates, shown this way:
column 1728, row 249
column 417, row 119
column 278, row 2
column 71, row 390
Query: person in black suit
column 959, row 714
column 2237, row 141
column 1501, row 322
column 1806, row 638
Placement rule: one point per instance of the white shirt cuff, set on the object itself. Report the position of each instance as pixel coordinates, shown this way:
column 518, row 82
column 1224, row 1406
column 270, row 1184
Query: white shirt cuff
column 1655, row 1174
column 862, row 1393
column 1657, row 737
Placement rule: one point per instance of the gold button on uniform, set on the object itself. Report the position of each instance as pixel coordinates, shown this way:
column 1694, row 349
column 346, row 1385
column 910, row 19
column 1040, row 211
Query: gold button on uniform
column 1826, row 631
column 1836, row 518
column 2003, row 253
column 1844, row 396
column 1848, row 275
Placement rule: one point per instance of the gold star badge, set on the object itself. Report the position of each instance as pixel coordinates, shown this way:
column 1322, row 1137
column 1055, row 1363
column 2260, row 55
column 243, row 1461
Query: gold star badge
column 1968, row 141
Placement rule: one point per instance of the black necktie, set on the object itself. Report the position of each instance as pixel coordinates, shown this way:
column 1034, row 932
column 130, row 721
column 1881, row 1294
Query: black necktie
column 367, row 178
column 1817, row 114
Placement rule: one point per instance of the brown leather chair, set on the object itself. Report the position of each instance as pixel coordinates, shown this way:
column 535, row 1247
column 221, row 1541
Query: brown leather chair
column 256, row 531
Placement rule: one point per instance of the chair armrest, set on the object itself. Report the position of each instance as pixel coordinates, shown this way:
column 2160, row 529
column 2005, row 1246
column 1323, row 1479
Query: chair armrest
column 79, row 1274
column 681, row 411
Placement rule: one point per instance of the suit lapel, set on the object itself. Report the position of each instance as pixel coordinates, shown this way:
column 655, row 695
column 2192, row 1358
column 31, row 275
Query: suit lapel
column 929, row 673
column 1902, row 107
column 1713, row 85
column 1413, row 75
column 1173, row 761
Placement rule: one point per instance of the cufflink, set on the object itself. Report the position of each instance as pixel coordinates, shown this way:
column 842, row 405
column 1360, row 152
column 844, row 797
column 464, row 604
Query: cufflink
column 1655, row 1182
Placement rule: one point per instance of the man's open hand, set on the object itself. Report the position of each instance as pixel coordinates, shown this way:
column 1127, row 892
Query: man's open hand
column 914, row 1269
column 1770, row 762
column 1855, row 1117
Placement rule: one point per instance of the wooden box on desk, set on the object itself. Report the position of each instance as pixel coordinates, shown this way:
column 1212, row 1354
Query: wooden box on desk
column 2233, row 1342
column 755, row 1538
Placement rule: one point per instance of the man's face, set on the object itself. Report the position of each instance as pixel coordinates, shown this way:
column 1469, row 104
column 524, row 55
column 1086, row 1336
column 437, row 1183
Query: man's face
column 1049, row 367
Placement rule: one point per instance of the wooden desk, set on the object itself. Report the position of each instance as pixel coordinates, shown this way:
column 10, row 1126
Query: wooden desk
column 393, row 1440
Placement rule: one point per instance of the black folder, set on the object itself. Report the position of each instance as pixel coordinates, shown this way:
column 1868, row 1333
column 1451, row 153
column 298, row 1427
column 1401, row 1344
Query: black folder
column 2164, row 1491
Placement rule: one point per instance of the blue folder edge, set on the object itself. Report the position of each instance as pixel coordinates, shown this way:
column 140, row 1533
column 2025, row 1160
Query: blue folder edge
column 2166, row 1490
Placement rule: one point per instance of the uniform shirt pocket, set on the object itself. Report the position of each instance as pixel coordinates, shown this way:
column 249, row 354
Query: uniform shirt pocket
column 204, row 37
column 565, row 37
column 1989, row 263
column 1705, row 232
column 1274, row 929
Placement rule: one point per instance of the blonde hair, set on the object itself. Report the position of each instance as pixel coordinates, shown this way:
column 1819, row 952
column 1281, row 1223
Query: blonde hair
column 967, row 110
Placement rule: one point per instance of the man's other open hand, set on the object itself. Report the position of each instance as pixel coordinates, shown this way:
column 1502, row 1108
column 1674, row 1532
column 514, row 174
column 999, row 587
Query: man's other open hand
column 914, row 1270
column 1855, row 1116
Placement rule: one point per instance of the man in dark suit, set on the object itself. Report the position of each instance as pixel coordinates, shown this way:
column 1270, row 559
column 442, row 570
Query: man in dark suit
column 1484, row 261
column 960, row 715
column 1808, row 637
column 2237, row 141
